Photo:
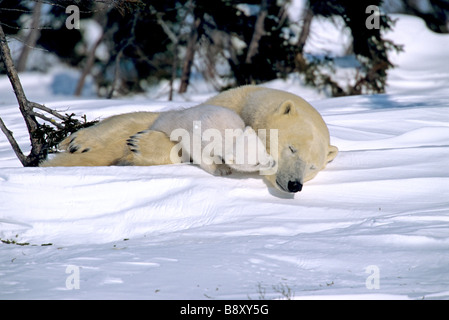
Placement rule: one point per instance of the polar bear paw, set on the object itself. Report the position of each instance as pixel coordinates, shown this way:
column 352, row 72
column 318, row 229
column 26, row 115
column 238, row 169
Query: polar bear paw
column 147, row 148
column 133, row 155
column 217, row 170
column 223, row 170
column 133, row 141
column 78, row 143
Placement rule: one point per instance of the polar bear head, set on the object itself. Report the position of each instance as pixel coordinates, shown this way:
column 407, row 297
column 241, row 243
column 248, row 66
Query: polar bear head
column 302, row 146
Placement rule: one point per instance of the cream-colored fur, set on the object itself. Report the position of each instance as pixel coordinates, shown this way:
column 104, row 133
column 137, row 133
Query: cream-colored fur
column 303, row 137
column 105, row 143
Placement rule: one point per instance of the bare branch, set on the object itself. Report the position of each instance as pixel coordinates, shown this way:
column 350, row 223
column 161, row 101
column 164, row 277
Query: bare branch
column 46, row 109
column 9, row 135
column 42, row 137
column 24, row 107
column 43, row 117
column 173, row 37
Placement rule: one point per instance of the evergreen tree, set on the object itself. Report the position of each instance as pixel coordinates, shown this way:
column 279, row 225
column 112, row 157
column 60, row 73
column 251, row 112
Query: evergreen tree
column 148, row 41
column 368, row 45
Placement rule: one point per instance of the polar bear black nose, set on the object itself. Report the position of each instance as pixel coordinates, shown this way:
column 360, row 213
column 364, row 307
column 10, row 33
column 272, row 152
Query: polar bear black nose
column 294, row 186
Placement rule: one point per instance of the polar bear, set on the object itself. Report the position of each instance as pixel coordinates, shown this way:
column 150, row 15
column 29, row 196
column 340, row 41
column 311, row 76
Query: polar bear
column 213, row 137
column 303, row 146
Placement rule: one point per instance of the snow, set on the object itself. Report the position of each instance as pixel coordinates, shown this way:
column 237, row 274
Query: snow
column 373, row 225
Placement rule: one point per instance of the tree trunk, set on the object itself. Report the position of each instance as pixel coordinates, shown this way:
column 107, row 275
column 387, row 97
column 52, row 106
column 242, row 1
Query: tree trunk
column 305, row 31
column 300, row 61
column 175, row 40
column 174, row 68
column 259, row 30
column 190, row 54
column 101, row 17
column 88, row 66
column 32, row 37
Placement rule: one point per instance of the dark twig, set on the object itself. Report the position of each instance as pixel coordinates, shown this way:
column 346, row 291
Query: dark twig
column 48, row 110
column 13, row 143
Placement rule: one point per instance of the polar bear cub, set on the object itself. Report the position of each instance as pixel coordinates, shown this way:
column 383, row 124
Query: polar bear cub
column 215, row 138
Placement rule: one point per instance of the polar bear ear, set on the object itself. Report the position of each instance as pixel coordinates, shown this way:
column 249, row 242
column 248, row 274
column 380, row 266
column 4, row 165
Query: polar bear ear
column 333, row 151
column 286, row 107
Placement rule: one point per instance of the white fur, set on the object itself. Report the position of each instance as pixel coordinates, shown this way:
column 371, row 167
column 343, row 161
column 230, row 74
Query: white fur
column 215, row 138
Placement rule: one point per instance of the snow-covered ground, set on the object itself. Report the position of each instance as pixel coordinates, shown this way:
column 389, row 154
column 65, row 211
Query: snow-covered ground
column 374, row 224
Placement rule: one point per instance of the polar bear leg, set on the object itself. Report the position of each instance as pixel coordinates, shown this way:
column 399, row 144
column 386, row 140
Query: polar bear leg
column 104, row 144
